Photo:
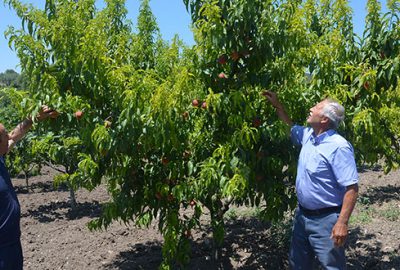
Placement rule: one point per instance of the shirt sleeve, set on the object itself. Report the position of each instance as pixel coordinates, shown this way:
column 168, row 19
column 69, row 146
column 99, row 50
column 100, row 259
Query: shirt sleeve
column 344, row 166
column 297, row 134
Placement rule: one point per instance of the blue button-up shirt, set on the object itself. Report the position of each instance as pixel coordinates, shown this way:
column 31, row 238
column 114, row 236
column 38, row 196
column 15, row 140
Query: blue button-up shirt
column 326, row 167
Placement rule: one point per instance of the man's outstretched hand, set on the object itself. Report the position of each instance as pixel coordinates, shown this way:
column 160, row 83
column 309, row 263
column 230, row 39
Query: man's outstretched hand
column 272, row 98
column 22, row 128
column 46, row 112
column 280, row 110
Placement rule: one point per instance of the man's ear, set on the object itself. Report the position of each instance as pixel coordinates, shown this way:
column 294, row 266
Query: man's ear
column 325, row 120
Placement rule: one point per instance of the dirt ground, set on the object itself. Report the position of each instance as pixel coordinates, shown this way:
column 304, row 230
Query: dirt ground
column 54, row 237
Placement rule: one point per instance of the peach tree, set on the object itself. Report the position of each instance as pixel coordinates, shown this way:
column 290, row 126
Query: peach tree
column 176, row 132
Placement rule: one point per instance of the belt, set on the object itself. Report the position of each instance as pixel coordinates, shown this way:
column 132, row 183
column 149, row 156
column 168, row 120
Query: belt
column 322, row 211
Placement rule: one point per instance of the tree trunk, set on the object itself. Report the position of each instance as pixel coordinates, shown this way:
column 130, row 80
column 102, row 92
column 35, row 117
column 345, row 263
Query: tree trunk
column 72, row 198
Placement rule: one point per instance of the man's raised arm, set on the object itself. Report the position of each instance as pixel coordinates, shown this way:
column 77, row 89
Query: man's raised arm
column 280, row 110
column 22, row 128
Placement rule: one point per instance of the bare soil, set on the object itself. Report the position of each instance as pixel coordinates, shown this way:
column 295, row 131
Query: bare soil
column 55, row 237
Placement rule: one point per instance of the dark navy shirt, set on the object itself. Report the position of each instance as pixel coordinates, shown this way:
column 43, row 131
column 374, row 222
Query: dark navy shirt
column 9, row 209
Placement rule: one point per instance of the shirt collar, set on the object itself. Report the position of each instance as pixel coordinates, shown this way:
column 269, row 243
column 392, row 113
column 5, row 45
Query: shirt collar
column 316, row 140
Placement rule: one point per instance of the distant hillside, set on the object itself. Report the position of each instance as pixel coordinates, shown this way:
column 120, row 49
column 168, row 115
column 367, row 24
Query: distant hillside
column 11, row 78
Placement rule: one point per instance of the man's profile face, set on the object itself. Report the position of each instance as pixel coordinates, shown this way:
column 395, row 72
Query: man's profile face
column 315, row 116
column 3, row 140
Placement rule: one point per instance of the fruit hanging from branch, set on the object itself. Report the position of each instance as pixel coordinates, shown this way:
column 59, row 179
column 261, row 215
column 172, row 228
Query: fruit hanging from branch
column 78, row 114
column 195, row 103
column 223, row 59
column 235, row 56
column 222, row 75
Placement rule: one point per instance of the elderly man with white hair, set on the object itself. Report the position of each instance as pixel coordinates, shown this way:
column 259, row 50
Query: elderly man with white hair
column 326, row 186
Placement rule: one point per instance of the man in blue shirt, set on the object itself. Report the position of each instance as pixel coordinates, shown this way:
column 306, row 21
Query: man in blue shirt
column 326, row 187
column 10, row 244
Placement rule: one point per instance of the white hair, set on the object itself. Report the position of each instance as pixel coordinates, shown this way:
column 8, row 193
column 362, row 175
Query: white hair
column 334, row 111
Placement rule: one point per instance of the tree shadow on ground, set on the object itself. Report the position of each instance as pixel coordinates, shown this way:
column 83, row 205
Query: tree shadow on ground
column 63, row 210
column 382, row 194
column 365, row 251
column 252, row 244
column 140, row 256
column 40, row 187
column 366, row 168
column 249, row 244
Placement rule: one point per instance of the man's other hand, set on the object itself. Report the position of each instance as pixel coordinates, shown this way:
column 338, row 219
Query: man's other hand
column 46, row 112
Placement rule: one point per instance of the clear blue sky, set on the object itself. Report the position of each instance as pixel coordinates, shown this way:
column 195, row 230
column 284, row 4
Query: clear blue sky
column 171, row 16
